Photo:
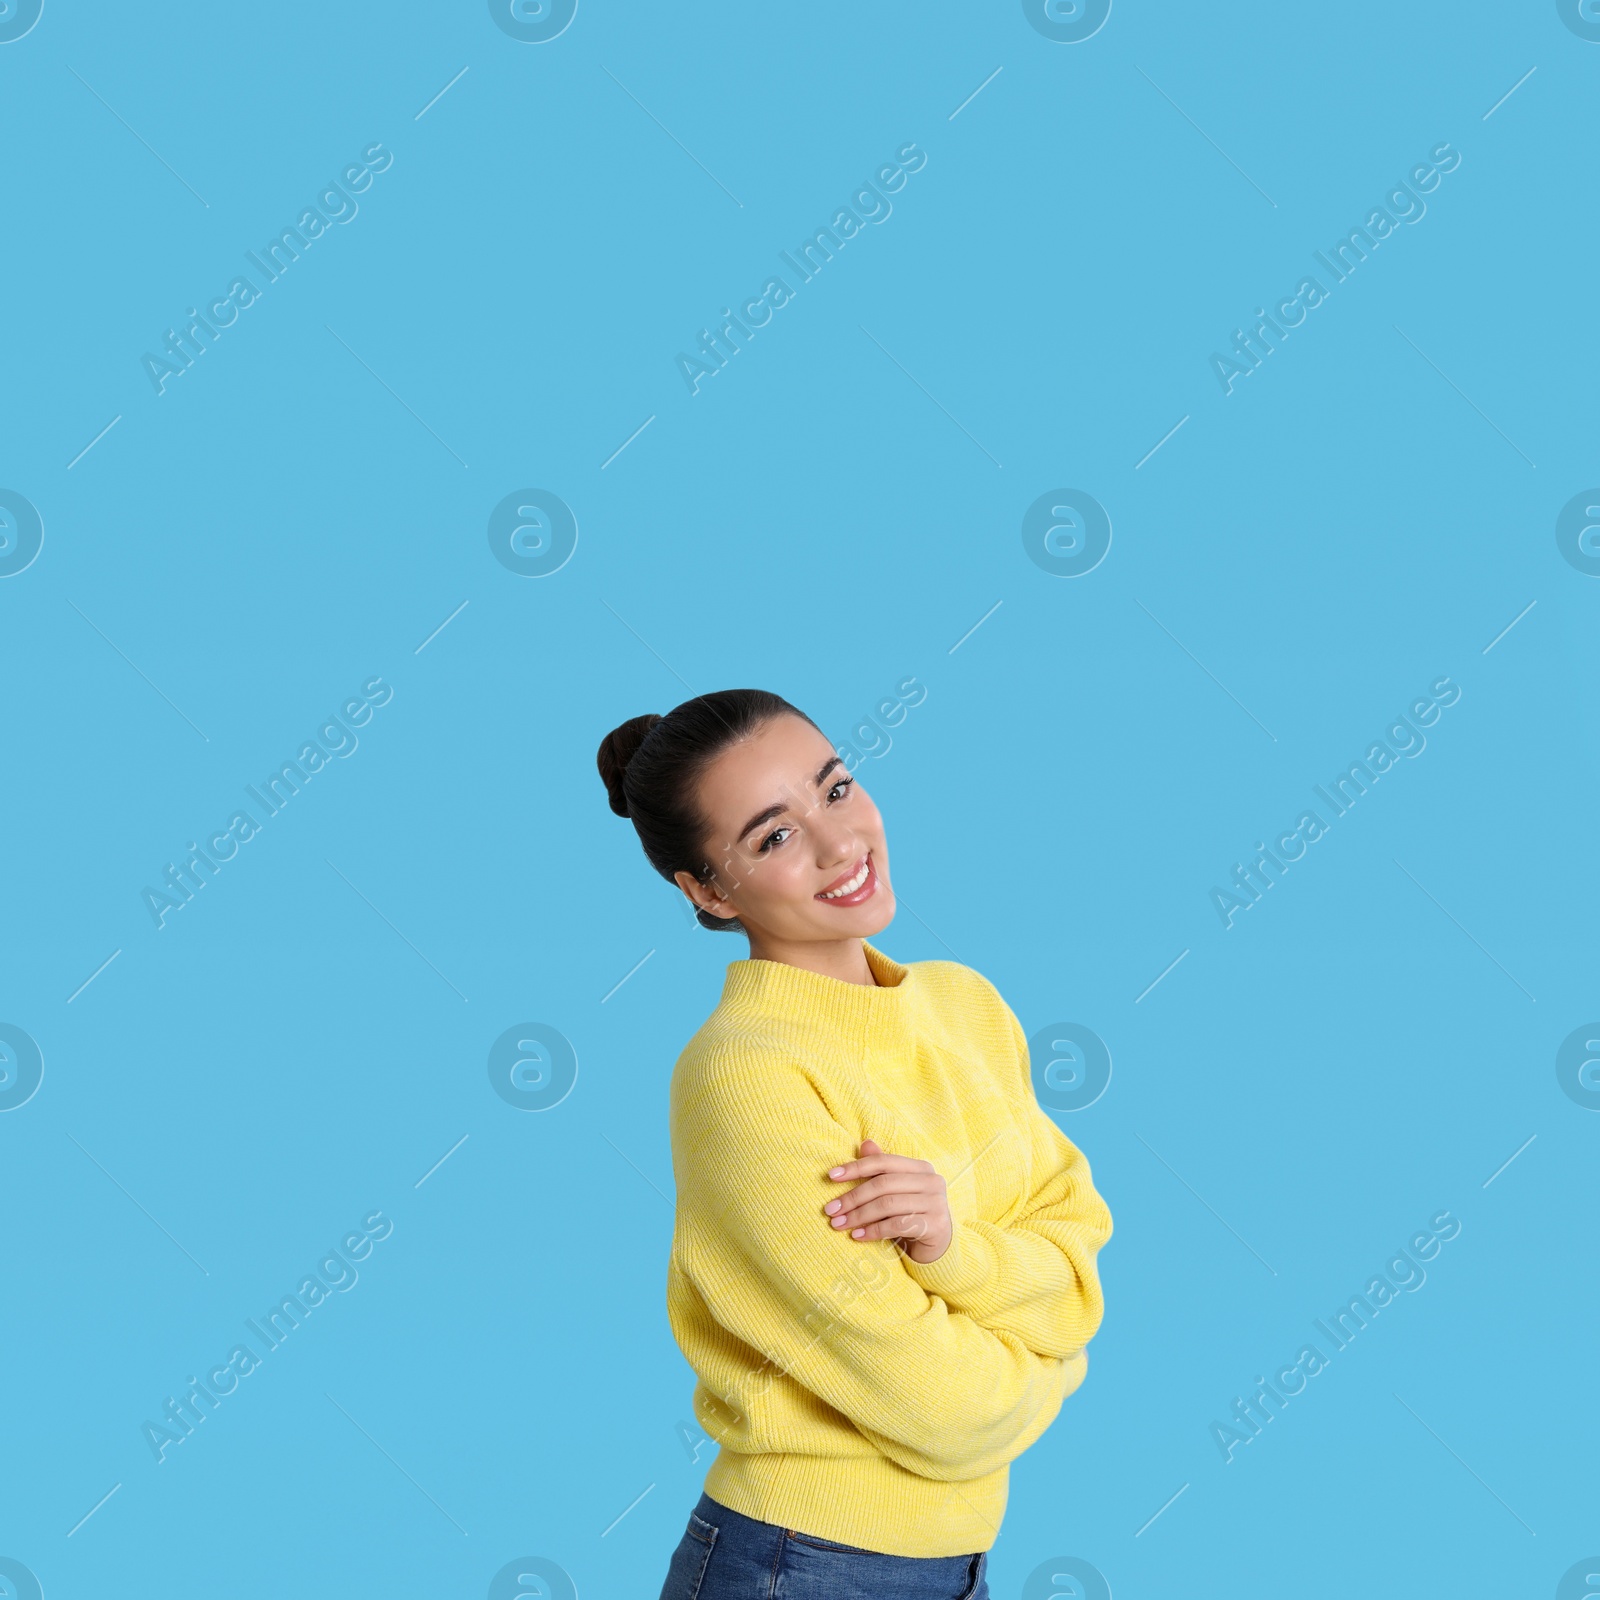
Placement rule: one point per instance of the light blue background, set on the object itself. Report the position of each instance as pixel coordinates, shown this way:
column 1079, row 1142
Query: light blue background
column 303, row 1043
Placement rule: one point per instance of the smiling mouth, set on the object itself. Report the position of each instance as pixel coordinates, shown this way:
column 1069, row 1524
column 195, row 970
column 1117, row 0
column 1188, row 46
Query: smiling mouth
column 854, row 887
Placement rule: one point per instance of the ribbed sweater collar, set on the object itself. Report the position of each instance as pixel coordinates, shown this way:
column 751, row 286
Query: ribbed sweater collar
column 777, row 989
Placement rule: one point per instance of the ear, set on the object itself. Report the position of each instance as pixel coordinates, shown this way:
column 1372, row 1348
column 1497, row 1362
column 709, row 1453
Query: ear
column 702, row 898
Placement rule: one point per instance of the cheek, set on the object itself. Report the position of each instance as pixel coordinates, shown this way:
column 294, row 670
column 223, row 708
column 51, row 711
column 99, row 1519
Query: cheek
column 791, row 879
column 757, row 879
column 866, row 813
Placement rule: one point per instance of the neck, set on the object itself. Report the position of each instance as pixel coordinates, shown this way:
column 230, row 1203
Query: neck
column 830, row 958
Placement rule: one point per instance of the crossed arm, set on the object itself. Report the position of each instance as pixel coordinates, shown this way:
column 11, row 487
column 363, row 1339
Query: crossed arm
column 1035, row 1277
column 951, row 1367
column 929, row 1386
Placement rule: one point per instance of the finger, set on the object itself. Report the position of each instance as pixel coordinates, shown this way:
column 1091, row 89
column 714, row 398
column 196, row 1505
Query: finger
column 878, row 1163
column 904, row 1226
column 884, row 1209
column 870, row 1147
column 908, row 1183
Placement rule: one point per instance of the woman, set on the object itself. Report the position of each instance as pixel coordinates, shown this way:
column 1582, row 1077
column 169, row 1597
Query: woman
column 883, row 1265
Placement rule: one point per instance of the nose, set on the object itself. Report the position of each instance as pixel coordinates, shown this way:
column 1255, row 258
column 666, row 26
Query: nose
column 841, row 850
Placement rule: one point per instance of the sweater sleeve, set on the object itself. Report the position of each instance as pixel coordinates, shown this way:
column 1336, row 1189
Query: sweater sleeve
column 927, row 1385
column 1035, row 1278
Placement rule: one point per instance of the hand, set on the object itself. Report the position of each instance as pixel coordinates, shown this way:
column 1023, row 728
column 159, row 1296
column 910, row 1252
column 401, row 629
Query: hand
column 902, row 1198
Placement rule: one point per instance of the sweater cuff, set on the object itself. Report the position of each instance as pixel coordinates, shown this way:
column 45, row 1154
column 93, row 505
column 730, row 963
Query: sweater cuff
column 964, row 1267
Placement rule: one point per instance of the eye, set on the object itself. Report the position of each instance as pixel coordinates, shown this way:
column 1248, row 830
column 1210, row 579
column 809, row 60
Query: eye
column 840, row 790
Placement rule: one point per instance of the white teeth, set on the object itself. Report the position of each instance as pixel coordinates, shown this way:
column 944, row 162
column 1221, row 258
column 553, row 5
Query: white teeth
column 850, row 887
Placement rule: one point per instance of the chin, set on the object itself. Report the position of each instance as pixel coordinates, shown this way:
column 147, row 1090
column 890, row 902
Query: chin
column 863, row 921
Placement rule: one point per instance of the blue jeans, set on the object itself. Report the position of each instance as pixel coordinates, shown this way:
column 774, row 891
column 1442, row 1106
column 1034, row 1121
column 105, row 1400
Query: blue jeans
column 726, row 1556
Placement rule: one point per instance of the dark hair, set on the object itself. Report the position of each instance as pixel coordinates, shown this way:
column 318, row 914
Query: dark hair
column 651, row 766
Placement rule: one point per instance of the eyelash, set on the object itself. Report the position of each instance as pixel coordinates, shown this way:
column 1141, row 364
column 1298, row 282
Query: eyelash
column 846, row 784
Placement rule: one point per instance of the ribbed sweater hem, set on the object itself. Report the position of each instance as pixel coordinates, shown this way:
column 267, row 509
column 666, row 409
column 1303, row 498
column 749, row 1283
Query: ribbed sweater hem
column 865, row 1500
column 967, row 1264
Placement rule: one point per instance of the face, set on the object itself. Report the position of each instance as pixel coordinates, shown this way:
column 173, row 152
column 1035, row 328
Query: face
column 798, row 847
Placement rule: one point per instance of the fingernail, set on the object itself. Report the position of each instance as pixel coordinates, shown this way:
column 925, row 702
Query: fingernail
column 836, row 1172
column 858, row 1232
column 832, row 1206
column 839, row 1222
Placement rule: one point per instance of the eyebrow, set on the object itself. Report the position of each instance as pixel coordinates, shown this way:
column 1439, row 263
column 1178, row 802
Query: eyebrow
column 778, row 810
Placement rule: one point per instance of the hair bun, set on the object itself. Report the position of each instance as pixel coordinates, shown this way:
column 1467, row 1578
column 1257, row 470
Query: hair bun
column 617, row 749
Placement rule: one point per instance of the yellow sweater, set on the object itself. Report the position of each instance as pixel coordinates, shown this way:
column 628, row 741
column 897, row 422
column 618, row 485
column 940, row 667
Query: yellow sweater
column 857, row 1395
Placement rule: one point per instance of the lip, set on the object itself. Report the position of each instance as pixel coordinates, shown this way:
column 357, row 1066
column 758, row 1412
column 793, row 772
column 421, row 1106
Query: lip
column 865, row 892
